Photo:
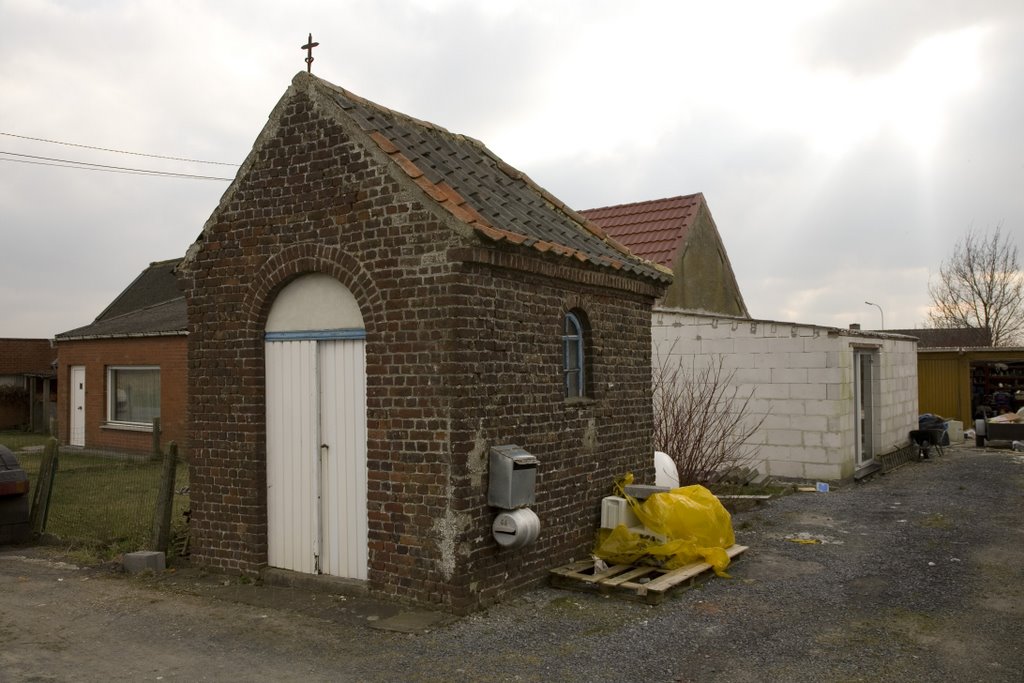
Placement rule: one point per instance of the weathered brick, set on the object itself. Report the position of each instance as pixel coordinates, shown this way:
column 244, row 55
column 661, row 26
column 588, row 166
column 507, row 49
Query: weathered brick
column 463, row 350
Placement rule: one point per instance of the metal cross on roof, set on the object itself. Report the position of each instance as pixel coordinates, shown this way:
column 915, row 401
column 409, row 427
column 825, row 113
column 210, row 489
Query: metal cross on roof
column 308, row 47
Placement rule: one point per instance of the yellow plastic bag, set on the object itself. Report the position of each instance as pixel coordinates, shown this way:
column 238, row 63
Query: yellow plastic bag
column 691, row 521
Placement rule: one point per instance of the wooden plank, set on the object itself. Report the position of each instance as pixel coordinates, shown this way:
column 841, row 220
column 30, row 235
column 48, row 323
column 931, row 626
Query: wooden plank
column 572, row 568
column 622, row 580
column 689, row 571
column 634, row 573
column 677, row 576
column 576, row 571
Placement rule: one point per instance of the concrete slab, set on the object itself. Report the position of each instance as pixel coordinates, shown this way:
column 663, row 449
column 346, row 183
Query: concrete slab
column 318, row 583
column 143, row 560
column 411, row 622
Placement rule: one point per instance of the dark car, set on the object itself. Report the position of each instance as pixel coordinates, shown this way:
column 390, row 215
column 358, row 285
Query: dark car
column 14, row 499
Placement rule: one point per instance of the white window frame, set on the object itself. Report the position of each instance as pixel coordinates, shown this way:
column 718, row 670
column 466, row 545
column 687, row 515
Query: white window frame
column 124, row 424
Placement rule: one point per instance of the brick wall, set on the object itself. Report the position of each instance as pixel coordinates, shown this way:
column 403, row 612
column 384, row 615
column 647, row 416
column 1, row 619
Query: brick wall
column 509, row 389
column 13, row 415
column 169, row 353
column 801, row 380
column 19, row 357
column 463, row 350
column 26, row 356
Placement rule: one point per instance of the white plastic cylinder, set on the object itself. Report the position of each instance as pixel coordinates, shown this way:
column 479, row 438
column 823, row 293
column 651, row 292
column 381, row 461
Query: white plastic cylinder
column 516, row 528
column 665, row 471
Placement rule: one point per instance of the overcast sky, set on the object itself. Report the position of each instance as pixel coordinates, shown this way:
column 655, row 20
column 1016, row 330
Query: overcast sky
column 843, row 146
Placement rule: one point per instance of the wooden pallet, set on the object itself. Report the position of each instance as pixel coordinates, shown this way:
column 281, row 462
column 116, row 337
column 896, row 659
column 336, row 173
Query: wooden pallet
column 649, row 584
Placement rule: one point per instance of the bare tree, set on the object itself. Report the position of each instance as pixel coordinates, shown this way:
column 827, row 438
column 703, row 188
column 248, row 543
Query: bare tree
column 981, row 285
column 700, row 419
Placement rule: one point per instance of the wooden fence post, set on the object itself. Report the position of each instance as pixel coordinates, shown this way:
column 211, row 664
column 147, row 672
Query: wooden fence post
column 165, row 501
column 156, row 437
column 44, row 487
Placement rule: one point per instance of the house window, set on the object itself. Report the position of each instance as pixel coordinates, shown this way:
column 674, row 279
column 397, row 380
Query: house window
column 133, row 394
column 572, row 356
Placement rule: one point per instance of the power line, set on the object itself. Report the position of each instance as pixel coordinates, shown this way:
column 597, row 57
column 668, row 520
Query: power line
column 81, row 168
column 116, row 151
column 86, row 166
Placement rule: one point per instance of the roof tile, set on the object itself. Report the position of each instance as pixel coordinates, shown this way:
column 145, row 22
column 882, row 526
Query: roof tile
column 499, row 201
column 411, row 169
column 150, row 305
column 430, row 188
column 386, row 145
column 653, row 230
column 167, row 318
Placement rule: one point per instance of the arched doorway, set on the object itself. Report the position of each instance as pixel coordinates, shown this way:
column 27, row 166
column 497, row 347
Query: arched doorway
column 316, row 430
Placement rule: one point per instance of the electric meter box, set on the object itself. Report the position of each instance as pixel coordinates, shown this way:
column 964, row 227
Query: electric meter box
column 514, row 529
column 513, row 478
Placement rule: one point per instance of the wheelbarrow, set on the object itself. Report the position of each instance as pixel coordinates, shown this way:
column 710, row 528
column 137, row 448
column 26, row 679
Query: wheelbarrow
column 925, row 439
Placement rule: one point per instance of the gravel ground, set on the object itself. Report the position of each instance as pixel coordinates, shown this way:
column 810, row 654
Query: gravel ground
column 917, row 575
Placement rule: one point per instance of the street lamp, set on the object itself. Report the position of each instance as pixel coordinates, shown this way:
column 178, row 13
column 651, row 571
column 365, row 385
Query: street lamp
column 879, row 312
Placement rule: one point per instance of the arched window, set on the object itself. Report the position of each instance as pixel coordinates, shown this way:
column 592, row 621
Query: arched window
column 573, row 361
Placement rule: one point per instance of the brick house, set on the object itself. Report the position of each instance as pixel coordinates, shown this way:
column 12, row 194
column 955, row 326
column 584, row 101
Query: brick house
column 374, row 304
column 126, row 367
column 836, row 403
column 27, row 391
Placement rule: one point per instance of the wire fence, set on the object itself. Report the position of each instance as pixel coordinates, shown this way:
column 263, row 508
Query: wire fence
column 106, row 499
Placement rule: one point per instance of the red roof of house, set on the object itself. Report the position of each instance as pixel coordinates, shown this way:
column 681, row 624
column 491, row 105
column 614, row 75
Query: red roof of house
column 653, row 230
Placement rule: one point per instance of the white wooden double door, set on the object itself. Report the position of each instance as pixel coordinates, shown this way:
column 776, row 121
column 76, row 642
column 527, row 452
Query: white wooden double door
column 316, row 456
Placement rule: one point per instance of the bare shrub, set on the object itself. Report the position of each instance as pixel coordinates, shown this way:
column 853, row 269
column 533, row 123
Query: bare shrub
column 700, row 418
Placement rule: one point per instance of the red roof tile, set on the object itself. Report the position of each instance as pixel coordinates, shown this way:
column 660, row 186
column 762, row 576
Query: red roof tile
column 653, row 230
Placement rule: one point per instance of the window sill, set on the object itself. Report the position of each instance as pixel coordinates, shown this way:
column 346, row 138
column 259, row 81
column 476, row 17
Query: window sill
column 127, row 427
column 580, row 401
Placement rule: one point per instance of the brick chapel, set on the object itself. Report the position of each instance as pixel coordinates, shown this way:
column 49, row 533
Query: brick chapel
column 376, row 303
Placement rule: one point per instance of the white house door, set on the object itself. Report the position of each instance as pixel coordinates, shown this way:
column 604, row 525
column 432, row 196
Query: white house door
column 76, row 421
column 316, row 456
column 316, row 430
column 864, row 419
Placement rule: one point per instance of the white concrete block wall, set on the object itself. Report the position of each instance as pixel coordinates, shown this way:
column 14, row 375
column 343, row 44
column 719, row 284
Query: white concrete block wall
column 801, row 380
column 899, row 383
column 812, row 392
column 717, row 346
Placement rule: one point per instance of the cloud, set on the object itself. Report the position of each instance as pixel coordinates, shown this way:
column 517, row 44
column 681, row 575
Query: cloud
column 869, row 36
column 840, row 145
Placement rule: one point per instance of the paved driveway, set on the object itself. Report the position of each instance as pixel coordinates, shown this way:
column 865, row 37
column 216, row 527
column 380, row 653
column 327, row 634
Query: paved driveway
column 913, row 576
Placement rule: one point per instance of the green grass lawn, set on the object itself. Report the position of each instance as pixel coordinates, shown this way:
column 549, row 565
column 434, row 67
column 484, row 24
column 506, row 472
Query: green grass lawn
column 103, row 500
column 17, row 440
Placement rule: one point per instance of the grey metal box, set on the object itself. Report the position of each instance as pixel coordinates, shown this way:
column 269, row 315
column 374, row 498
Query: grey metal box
column 1005, row 431
column 513, row 477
